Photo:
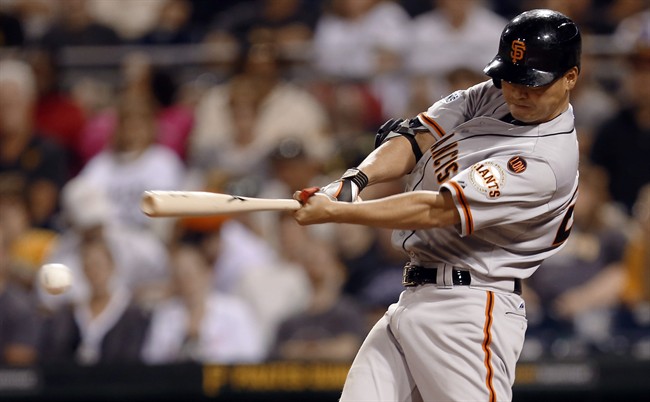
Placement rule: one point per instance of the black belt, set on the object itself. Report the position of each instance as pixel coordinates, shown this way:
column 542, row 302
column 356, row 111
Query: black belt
column 415, row 275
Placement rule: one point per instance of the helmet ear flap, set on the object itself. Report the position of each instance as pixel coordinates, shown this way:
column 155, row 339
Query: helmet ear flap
column 497, row 82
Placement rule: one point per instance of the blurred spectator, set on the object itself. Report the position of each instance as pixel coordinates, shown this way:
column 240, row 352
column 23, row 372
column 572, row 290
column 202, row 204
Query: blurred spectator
column 622, row 144
column 592, row 16
column 20, row 326
column 129, row 19
column 599, row 17
column 58, row 116
column 291, row 168
column 29, row 245
column 28, row 160
column 205, row 11
column 35, row 16
column 619, row 13
column 365, row 40
column 172, row 27
column 289, row 23
column 134, row 163
column 354, row 113
column 453, row 38
column 280, row 287
column 12, row 33
column 276, row 291
column 455, row 34
column 197, row 323
column 633, row 321
column 637, row 258
column 235, row 250
column 108, row 327
column 593, row 102
column 423, row 87
column 374, row 266
column 140, row 78
column 239, row 122
column 574, row 293
column 358, row 39
column 333, row 325
column 631, row 29
column 141, row 257
column 75, row 26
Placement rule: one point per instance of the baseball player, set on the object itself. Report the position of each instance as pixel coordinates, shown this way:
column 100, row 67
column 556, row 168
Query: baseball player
column 492, row 180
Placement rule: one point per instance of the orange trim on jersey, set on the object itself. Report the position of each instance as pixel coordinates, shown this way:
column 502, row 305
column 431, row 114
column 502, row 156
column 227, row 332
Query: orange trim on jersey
column 469, row 222
column 487, row 340
column 432, row 123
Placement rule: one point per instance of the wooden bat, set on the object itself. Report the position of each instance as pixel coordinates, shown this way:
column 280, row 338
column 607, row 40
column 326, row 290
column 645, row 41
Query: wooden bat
column 202, row 203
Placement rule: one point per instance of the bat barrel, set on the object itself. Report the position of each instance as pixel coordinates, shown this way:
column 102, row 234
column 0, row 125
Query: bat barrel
column 202, row 203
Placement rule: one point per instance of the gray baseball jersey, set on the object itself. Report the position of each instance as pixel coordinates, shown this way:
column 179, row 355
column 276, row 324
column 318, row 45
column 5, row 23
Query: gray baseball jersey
column 514, row 186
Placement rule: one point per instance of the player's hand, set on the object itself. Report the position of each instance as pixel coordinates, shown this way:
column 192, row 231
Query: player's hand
column 348, row 187
column 314, row 206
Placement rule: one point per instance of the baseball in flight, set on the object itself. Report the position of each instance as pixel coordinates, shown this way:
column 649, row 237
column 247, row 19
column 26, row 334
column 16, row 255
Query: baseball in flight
column 55, row 278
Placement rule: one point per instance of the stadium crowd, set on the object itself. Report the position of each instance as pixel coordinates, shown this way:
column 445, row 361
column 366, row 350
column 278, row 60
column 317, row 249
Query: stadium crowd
column 284, row 94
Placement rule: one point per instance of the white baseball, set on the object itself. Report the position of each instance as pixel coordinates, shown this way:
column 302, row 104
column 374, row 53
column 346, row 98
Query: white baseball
column 55, row 278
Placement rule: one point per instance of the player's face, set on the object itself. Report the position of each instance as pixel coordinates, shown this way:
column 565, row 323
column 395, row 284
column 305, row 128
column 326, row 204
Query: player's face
column 539, row 104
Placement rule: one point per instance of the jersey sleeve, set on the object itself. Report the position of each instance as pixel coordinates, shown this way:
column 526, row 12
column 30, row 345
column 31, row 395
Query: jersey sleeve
column 456, row 108
column 501, row 190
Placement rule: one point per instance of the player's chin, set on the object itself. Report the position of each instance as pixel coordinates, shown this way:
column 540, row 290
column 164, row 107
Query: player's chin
column 525, row 114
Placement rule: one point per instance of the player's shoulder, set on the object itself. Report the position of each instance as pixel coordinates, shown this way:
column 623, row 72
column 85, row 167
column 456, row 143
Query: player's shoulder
column 482, row 99
column 486, row 90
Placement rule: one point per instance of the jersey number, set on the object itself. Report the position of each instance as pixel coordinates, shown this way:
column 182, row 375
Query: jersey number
column 565, row 228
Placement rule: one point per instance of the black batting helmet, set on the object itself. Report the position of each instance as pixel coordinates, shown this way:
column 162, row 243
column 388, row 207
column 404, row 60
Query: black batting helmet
column 536, row 48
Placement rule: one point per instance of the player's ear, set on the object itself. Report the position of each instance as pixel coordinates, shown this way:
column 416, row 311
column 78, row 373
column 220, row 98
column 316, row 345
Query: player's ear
column 571, row 77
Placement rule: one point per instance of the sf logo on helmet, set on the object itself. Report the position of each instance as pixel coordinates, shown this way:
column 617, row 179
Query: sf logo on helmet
column 518, row 48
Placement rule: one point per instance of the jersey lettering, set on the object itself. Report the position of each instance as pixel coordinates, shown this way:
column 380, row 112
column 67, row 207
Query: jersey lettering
column 517, row 164
column 438, row 144
column 449, row 170
column 488, row 178
column 445, row 160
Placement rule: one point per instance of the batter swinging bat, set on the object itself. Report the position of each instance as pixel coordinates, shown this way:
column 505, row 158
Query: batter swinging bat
column 201, row 203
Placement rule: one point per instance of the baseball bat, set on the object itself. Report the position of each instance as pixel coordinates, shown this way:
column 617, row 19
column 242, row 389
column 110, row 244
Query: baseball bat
column 201, row 203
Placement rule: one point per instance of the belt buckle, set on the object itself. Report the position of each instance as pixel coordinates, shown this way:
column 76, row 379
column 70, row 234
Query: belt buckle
column 405, row 282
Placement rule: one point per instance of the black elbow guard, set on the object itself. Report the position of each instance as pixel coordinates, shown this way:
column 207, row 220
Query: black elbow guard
column 386, row 129
column 396, row 126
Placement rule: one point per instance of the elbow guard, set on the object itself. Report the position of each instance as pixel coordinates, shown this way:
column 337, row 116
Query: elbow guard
column 405, row 128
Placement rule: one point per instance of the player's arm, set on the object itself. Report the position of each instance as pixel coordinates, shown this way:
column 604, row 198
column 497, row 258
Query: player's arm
column 392, row 159
column 412, row 210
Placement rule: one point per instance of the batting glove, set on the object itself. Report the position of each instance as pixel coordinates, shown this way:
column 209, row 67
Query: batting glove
column 348, row 187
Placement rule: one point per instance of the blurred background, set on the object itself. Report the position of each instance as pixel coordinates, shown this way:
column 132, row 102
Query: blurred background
column 101, row 100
